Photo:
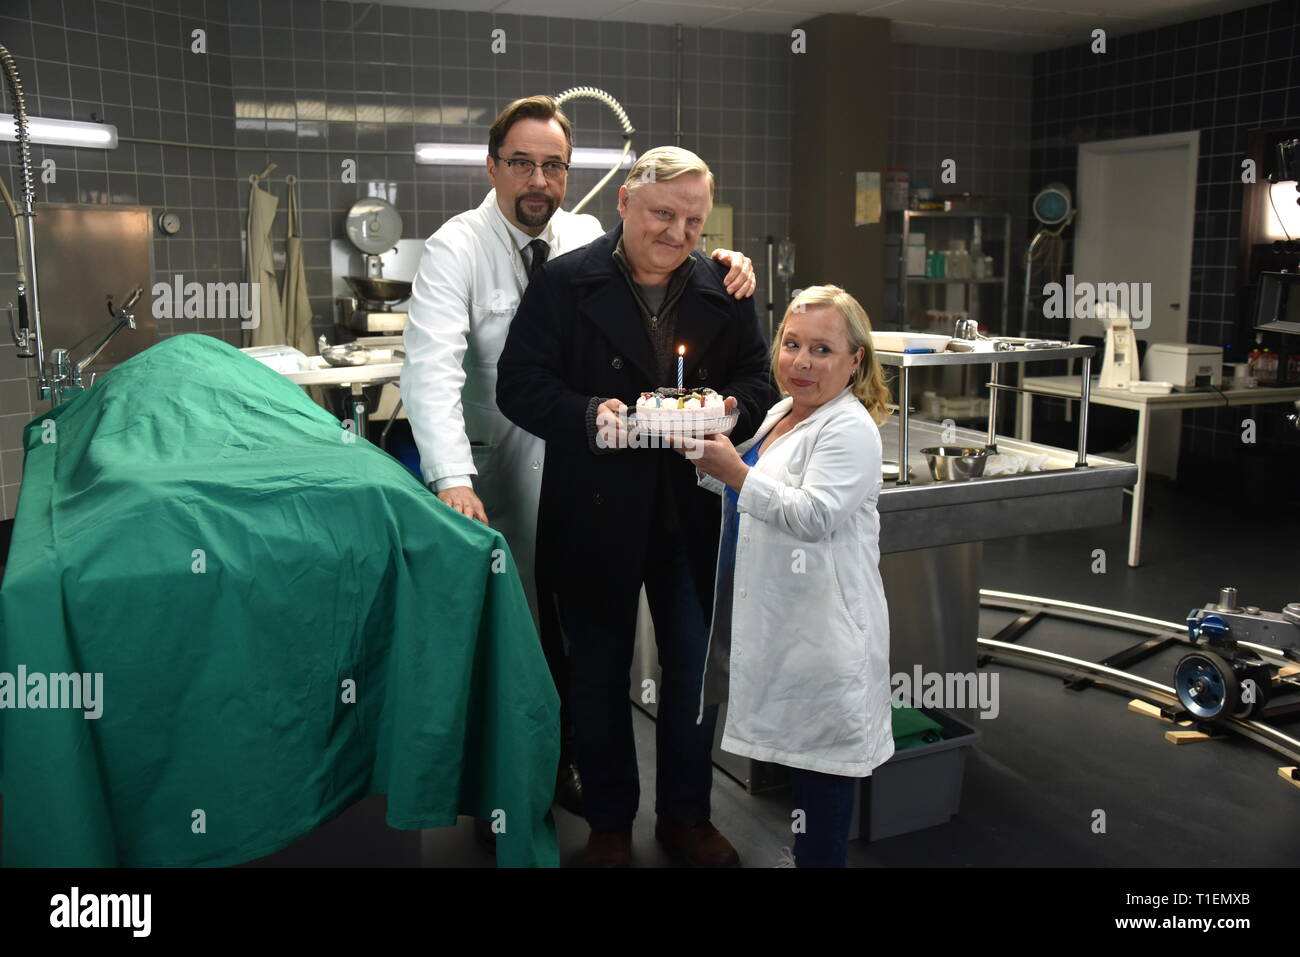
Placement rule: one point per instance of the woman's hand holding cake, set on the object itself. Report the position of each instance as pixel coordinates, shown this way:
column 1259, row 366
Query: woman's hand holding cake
column 716, row 456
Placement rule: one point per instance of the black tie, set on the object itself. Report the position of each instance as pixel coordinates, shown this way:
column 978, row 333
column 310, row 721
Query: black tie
column 539, row 250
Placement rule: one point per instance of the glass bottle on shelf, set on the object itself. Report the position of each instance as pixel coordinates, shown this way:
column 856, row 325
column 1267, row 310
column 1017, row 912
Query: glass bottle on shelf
column 958, row 264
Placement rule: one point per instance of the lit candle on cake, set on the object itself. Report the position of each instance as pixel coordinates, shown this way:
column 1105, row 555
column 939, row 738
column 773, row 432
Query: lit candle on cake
column 681, row 352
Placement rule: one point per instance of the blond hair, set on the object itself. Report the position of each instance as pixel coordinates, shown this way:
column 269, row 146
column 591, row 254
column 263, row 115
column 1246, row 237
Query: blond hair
column 868, row 380
column 664, row 163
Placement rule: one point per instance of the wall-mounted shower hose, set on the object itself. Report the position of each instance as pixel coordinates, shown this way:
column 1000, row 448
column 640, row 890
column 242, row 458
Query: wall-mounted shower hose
column 591, row 93
column 20, row 124
column 28, row 333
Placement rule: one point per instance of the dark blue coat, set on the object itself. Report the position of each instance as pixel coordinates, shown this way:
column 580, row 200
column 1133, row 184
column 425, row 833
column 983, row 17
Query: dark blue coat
column 578, row 333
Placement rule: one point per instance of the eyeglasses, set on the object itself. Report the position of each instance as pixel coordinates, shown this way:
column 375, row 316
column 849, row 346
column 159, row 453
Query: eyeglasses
column 523, row 168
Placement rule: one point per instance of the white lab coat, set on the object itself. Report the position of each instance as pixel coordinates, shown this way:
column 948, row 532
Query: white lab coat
column 804, row 629
column 470, row 281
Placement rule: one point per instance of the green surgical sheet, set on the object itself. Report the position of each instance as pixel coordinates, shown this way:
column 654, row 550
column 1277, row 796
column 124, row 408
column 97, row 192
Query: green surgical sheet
column 284, row 618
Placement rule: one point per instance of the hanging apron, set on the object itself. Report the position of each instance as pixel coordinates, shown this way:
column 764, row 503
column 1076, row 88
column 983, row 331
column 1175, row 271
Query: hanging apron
column 261, row 264
column 295, row 305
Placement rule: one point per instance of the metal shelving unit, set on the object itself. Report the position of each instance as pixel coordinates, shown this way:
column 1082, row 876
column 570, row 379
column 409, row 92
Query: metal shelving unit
column 976, row 217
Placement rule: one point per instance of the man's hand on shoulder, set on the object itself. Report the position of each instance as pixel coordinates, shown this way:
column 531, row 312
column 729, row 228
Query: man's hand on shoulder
column 463, row 500
column 740, row 280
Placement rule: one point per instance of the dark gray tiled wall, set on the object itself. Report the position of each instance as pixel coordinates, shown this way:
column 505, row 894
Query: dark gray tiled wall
column 971, row 106
column 1223, row 75
column 346, row 78
column 308, row 84
column 127, row 64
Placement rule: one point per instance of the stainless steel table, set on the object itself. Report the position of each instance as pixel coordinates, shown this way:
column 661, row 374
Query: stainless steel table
column 983, row 353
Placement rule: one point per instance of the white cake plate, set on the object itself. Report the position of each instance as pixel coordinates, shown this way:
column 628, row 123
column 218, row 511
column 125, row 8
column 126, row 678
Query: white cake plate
column 684, row 424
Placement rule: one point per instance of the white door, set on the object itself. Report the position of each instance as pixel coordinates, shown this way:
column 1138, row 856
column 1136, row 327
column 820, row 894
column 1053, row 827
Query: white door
column 1136, row 199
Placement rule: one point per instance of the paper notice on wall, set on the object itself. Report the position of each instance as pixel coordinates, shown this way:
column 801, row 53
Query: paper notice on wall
column 866, row 204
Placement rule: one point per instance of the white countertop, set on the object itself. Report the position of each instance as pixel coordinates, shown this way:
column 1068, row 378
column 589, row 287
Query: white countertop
column 1069, row 387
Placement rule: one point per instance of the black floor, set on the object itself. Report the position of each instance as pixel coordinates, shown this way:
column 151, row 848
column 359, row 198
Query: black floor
column 1192, row 544
column 1060, row 777
column 1053, row 764
column 1053, row 758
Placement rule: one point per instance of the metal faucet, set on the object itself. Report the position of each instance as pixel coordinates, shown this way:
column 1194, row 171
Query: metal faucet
column 65, row 380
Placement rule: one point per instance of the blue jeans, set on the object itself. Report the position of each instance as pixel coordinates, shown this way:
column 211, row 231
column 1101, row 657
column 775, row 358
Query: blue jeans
column 827, row 803
column 600, row 632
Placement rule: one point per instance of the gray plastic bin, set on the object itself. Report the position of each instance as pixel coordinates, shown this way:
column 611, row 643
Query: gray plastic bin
column 918, row 787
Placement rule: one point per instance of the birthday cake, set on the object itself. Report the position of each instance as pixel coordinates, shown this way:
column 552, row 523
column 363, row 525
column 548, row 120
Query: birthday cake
column 684, row 410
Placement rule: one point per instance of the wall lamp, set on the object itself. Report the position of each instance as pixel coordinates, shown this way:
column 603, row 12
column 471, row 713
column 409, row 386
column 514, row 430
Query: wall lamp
column 61, row 132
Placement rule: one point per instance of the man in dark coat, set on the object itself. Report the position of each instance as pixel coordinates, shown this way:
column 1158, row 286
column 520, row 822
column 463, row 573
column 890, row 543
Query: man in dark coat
column 596, row 328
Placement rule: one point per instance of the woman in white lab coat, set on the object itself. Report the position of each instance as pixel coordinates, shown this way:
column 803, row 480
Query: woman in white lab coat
column 800, row 624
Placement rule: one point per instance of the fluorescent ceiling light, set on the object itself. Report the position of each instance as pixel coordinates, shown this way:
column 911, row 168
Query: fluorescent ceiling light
column 602, row 158
column 450, row 154
column 467, row 154
column 61, row 132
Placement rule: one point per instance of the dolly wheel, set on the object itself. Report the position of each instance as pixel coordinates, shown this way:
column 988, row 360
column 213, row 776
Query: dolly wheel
column 1207, row 686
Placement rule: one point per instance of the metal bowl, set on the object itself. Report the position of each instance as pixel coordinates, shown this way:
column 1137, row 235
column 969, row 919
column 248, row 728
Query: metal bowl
column 378, row 289
column 955, row 463
column 345, row 355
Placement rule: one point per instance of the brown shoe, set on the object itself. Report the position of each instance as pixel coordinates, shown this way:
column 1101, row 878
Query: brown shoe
column 609, row 849
column 700, row 845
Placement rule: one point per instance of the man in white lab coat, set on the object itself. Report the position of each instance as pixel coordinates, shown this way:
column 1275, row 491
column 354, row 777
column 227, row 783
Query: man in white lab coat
column 472, row 275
